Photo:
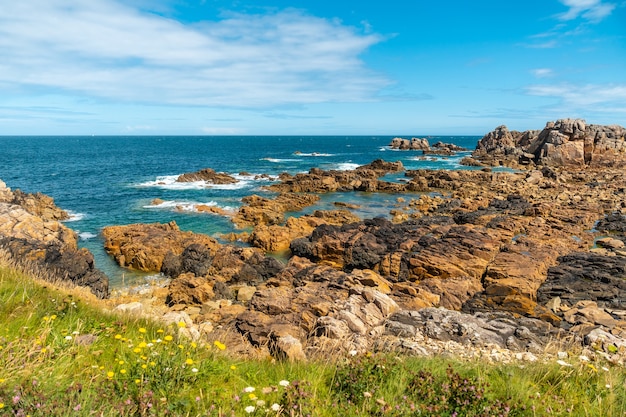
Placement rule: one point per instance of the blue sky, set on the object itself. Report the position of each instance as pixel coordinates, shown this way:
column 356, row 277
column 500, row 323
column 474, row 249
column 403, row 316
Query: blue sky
column 275, row 67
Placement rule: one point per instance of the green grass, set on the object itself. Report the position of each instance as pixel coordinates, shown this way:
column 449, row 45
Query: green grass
column 62, row 354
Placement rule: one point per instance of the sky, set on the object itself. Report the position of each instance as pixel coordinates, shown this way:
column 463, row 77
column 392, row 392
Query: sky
column 322, row 67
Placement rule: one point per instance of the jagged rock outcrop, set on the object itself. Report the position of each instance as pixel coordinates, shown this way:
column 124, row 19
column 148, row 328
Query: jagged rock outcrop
column 363, row 178
column 258, row 210
column 207, row 175
column 566, row 142
column 144, row 246
column 419, row 144
column 277, row 238
column 30, row 232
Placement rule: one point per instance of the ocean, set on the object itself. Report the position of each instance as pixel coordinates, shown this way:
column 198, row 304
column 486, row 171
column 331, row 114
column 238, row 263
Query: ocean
column 114, row 180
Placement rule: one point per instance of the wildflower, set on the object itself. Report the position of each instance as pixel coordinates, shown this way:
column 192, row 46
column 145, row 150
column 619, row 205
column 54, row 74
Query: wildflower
column 46, row 318
column 137, row 381
column 194, row 370
column 75, row 332
column 142, row 330
column 53, row 317
column 189, row 361
column 283, row 383
column 182, row 324
column 219, row 345
column 194, row 345
column 137, row 350
column 77, row 408
column 1, row 406
column 233, row 367
column 160, row 331
column 121, row 362
column 123, row 371
column 608, row 386
column 260, row 403
column 275, row 407
column 144, row 366
column 118, row 336
column 563, row 363
column 252, row 396
column 110, row 374
column 250, row 409
column 68, row 337
column 168, row 338
column 142, row 345
column 248, row 389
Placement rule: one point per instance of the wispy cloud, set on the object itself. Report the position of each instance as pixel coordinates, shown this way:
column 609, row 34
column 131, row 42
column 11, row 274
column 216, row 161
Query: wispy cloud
column 106, row 49
column 591, row 10
column 542, row 72
column 585, row 98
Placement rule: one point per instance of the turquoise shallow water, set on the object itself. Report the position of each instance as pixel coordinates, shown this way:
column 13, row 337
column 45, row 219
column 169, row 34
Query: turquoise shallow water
column 113, row 180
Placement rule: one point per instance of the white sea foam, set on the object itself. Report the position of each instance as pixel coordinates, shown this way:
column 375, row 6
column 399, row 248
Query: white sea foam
column 346, row 166
column 86, row 235
column 169, row 182
column 185, row 206
column 279, row 160
column 74, row 217
column 314, row 154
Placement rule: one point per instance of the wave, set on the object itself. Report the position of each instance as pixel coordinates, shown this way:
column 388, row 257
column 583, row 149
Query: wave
column 187, row 206
column 346, row 166
column 279, row 160
column 313, row 154
column 169, row 182
column 74, row 217
column 86, row 235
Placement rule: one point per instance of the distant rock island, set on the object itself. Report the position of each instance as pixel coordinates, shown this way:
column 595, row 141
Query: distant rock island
column 421, row 144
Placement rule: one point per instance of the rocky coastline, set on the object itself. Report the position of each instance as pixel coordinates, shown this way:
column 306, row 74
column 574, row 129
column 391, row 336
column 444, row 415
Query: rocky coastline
column 504, row 265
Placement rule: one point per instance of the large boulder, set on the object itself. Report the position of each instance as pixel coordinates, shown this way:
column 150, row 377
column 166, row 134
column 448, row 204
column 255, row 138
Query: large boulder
column 567, row 142
column 207, row 175
column 145, row 246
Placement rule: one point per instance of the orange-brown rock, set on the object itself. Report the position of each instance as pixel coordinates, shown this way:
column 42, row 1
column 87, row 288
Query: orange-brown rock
column 208, row 175
column 275, row 238
column 144, row 246
column 258, row 210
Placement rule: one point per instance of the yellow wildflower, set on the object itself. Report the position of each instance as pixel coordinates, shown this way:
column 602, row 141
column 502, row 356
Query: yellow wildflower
column 142, row 330
column 1, row 405
column 137, row 350
column 110, row 374
column 121, row 362
column 168, row 338
column 142, row 345
column 219, row 345
column 189, row 361
column 182, row 324
column 160, row 331
column 118, row 336
column 233, row 367
column 122, row 371
column 53, row 317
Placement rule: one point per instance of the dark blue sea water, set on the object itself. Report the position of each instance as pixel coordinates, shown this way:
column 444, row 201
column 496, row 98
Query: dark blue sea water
column 105, row 181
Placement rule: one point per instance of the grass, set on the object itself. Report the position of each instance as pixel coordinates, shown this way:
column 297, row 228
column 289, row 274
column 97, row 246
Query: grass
column 63, row 354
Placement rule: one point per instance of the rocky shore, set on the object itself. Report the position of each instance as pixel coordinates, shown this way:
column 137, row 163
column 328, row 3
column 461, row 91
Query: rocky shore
column 32, row 234
column 503, row 265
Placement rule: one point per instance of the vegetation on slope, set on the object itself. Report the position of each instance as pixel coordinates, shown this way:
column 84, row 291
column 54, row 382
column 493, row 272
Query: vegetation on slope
column 62, row 354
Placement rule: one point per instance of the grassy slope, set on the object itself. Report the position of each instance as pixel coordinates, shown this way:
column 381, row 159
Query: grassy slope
column 62, row 354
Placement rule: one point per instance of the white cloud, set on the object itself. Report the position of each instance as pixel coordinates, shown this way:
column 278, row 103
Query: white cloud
column 542, row 72
column 585, row 98
column 106, row 49
column 592, row 10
